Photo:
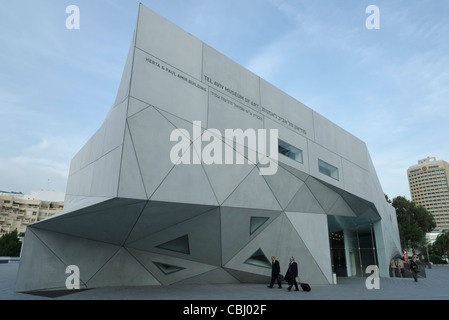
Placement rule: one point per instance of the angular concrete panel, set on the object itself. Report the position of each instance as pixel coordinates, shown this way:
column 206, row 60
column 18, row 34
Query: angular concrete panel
column 185, row 269
column 309, row 269
column 266, row 241
column 237, row 229
column 283, row 109
column 341, row 208
column 152, row 151
column 313, row 231
column 203, row 233
column 122, row 270
column 324, row 195
column 109, row 225
column 158, row 216
column 123, row 89
column 253, row 192
column 230, row 79
column 131, row 183
column 115, row 127
column 161, row 38
column 284, row 186
column 105, row 172
column 153, row 82
column 304, row 201
column 224, row 110
column 224, row 179
column 175, row 186
column 35, row 255
column 67, row 249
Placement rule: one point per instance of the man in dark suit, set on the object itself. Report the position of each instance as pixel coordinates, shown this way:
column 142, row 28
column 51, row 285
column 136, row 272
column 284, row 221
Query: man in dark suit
column 291, row 274
column 275, row 272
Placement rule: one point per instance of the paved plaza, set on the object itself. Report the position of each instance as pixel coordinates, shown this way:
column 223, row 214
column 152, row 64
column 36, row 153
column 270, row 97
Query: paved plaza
column 434, row 287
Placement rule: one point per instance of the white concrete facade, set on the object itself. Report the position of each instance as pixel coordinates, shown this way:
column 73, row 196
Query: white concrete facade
column 132, row 217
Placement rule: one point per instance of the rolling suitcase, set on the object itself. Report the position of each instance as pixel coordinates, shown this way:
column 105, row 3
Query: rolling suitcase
column 305, row 287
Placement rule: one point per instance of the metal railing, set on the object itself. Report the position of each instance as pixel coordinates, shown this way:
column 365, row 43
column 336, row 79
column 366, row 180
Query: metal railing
column 9, row 259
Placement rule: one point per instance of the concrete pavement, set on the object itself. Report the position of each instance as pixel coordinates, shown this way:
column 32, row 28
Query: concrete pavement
column 434, row 287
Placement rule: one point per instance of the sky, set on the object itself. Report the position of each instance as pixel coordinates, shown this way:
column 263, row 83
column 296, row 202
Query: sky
column 388, row 86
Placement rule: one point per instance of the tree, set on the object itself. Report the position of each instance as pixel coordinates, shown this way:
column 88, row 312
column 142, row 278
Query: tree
column 413, row 222
column 441, row 245
column 10, row 245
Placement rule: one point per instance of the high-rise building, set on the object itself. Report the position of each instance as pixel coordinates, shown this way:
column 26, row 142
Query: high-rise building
column 429, row 187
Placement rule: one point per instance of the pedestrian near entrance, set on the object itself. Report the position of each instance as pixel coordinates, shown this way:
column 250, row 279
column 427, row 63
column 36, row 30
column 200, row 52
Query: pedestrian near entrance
column 414, row 269
column 275, row 273
column 291, row 274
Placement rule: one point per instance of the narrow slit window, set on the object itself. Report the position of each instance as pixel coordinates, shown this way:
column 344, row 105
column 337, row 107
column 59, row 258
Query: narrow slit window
column 180, row 244
column 167, row 268
column 290, row 151
column 328, row 170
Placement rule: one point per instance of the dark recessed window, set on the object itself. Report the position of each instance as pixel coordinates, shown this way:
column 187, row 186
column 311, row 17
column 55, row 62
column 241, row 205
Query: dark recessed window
column 290, row 151
column 180, row 244
column 327, row 169
column 259, row 259
column 256, row 223
column 167, row 268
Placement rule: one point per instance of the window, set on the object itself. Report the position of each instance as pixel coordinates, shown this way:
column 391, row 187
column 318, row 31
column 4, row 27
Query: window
column 259, row 259
column 327, row 169
column 256, row 223
column 290, row 151
column 167, row 268
column 180, row 244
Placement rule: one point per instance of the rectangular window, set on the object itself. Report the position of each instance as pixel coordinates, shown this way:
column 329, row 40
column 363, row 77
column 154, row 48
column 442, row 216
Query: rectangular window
column 290, row 151
column 327, row 169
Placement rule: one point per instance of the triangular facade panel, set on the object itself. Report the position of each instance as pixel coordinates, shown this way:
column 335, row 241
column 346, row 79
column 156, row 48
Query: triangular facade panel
column 158, row 216
column 240, row 225
column 304, row 201
column 313, row 231
column 203, row 232
column 54, row 275
column 253, row 192
column 67, row 249
column 122, row 269
column 169, row 270
column 176, row 186
column 149, row 147
column 111, row 225
column 284, row 185
column 131, row 182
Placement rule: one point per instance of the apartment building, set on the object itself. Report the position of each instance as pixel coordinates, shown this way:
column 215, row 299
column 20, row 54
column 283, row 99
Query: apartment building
column 429, row 187
column 17, row 211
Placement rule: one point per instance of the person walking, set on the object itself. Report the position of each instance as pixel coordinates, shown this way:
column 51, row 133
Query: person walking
column 275, row 272
column 414, row 269
column 291, row 274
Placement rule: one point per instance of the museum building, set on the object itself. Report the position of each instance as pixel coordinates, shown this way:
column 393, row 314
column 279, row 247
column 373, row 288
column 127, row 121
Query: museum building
column 133, row 216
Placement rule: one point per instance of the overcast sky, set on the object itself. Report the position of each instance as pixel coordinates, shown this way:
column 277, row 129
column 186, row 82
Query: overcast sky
column 388, row 86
